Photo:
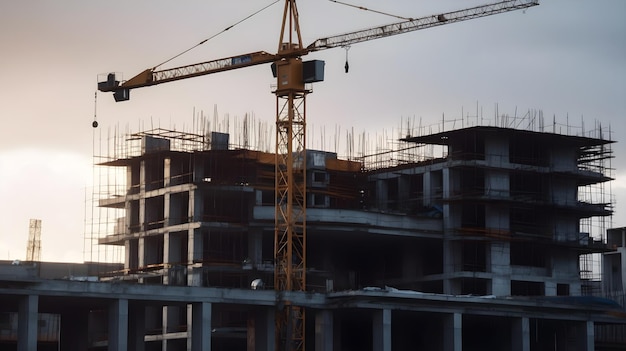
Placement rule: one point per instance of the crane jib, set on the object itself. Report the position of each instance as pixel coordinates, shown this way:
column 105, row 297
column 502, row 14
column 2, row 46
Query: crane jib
column 359, row 36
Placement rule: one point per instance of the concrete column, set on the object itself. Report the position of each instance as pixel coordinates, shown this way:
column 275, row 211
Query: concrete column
column 141, row 255
column 381, row 330
column 324, row 328
column 142, row 176
column 427, row 186
column 196, row 206
column 520, row 334
column 261, row 330
column 499, row 263
column 451, row 253
column 201, row 326
column 168, row 210
column 171, row 257
column 453, row 332
column 255, row 246
column 167, row 253
column 137, row 328
column 381, row 194
column 194, row 253
column 167, row 171
column 404, row 190
column 450, row 183
column 550, row 288
column 118, row 325
column 28, row 310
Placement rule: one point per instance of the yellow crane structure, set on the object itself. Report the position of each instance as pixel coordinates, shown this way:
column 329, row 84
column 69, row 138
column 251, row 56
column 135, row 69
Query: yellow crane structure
column 292, row 77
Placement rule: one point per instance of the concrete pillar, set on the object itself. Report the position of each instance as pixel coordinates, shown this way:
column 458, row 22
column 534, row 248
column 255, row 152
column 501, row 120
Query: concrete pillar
column 137, row 328
column 201, row 326
column 427, row 186
column 141, row 255
column 118, row 325
column 169, row 208
column 451, row 253
column 261, row 330
column 324, row 328
column 549, row 288
column 142, row 176
column 381, row 330
column 194, row 254
column 167, row 171
column 196, row 206
column 255, row 246
column 499, row 263
column 453, row 332
column 520, row 334
column 28, row 310
column 381, row 194
column 404, row 190
column 167, row 257
column 172, row 244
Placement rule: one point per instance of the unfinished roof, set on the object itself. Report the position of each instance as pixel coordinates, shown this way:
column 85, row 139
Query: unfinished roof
column 444, row 138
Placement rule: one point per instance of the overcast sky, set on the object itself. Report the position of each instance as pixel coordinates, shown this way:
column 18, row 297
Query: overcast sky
column 566, row 58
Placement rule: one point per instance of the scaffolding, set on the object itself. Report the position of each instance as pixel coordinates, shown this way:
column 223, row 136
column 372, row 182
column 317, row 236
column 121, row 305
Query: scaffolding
column 367, row 153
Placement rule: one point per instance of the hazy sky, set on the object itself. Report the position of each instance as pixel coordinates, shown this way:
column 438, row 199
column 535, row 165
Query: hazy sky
column 566, row 58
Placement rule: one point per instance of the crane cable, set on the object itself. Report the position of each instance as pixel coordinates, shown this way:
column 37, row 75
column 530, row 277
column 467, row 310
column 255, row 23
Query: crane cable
column 215, row 35
column 375, row 11
column 95, row 110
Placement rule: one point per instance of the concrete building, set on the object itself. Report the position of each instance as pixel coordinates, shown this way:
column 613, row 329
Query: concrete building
column 478, row 249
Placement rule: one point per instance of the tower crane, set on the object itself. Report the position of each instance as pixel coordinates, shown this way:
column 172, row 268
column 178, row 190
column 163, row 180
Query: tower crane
column 293, row 75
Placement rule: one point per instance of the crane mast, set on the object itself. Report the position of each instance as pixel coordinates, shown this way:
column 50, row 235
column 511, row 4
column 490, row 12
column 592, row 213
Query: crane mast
column 290, row 182
column 290, row 149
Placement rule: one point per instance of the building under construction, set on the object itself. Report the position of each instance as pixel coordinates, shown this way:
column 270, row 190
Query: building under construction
column 487, row 246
